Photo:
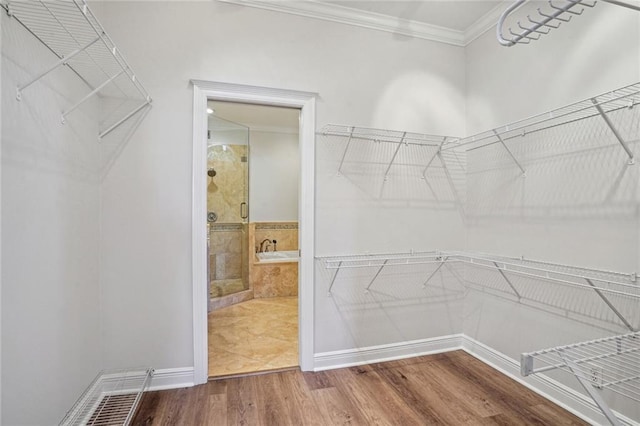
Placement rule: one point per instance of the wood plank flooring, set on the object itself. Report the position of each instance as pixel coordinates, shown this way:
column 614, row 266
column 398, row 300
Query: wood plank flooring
column 445, row 389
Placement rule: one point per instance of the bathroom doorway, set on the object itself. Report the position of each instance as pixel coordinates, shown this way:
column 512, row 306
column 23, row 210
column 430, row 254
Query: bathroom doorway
column 252, row 232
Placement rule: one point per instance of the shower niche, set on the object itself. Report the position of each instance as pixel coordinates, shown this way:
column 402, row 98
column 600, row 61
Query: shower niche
column 227, row 212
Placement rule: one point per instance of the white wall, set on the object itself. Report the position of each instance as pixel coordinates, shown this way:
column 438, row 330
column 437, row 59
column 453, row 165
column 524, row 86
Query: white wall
column 363, row 77
column 50, row 223
column 578, row 201
column 274, row 174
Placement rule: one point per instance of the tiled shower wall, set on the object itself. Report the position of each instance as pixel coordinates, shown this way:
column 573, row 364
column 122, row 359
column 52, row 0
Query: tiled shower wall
column 228, row 251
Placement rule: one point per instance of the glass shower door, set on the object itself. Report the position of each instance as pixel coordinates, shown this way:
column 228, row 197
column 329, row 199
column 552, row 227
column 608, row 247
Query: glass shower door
column 228, row 208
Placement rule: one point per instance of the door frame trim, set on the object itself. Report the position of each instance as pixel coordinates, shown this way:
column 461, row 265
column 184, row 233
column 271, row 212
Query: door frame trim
column 306, row 102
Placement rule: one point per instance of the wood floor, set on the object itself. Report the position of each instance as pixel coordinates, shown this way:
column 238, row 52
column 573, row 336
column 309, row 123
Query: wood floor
column 445, row 389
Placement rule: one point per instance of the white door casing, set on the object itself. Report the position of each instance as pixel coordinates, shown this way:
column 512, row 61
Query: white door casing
column 305, row 101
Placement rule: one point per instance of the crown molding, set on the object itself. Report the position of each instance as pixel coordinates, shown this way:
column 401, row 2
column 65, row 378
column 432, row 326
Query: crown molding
column 359, row 18
column 486, row 22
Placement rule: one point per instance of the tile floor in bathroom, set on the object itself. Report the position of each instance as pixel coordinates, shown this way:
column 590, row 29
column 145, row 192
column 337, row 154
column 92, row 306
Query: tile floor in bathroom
column 254, row 336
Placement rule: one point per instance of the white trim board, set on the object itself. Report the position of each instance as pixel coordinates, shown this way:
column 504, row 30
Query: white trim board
column 306, row 102
column 380, row 22
column 393, row 351
column 171, row 378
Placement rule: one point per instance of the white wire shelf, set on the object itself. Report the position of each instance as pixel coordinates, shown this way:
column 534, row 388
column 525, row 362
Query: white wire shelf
column 111, row 399
column 73, row 34
column 620, row 292
column 550, row 16
column 398, row 165
column 611, row 363
column 603, row 106
column 356, row 133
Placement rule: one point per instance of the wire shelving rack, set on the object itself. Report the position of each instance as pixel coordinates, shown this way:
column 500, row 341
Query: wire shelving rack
column 546, row 19
column 611, row 363
column 611, row 287
column 73, row 34
column 603, row 105
column 111, row 399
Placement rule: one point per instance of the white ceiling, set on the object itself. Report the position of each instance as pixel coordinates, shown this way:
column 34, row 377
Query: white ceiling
column 456, row 22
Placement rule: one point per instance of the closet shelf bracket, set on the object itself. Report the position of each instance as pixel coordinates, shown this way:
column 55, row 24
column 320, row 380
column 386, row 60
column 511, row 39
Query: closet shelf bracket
column 376, row 275
column 395, row 153
column 335, row 275
column 443, row 261
column 604, row 407
column 63, row 61
column 436, row 154
column 610, row 363
column 344, row 154
column 610, row 305
column 515, row 160
column 614, row 131
column 507, row 280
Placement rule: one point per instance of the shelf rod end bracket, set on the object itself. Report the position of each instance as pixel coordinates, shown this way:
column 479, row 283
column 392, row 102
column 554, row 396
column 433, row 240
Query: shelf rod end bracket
column 613, row 129
column 515, row 160
column 344, row 154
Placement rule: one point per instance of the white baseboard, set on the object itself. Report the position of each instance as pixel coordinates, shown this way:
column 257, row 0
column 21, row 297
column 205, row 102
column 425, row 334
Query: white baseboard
column 172, row 378
column 554, row 391
column 390, row 352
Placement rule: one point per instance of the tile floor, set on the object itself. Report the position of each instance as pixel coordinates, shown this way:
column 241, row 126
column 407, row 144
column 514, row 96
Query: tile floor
column 253, row 336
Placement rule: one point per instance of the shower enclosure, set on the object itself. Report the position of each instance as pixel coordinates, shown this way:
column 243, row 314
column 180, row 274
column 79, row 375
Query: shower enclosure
column 228, row 211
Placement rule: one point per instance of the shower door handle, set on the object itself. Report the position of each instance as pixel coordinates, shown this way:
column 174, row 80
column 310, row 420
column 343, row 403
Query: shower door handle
column 244, row 211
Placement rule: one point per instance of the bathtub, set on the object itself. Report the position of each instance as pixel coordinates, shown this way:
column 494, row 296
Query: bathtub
column 278, row 256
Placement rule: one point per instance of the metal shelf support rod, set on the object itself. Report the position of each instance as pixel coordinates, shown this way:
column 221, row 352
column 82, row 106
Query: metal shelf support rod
column 377, row 273
column 333, row 280
column 344, row 154
column 62, row 61
column 614, row 130
column 90, row 94
column 394, row 155
column 442, row 262
column 451, row 184
column 123, row 119
column 610, row 305
column 592, row 392
column 434, row 157
column 515, row 160
column 508, row 281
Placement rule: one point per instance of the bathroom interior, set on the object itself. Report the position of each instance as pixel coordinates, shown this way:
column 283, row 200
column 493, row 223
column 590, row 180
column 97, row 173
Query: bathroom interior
column 252, row 233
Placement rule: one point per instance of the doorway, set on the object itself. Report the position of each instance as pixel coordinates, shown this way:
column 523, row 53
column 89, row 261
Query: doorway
column 253, row 169
column 207, row 90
